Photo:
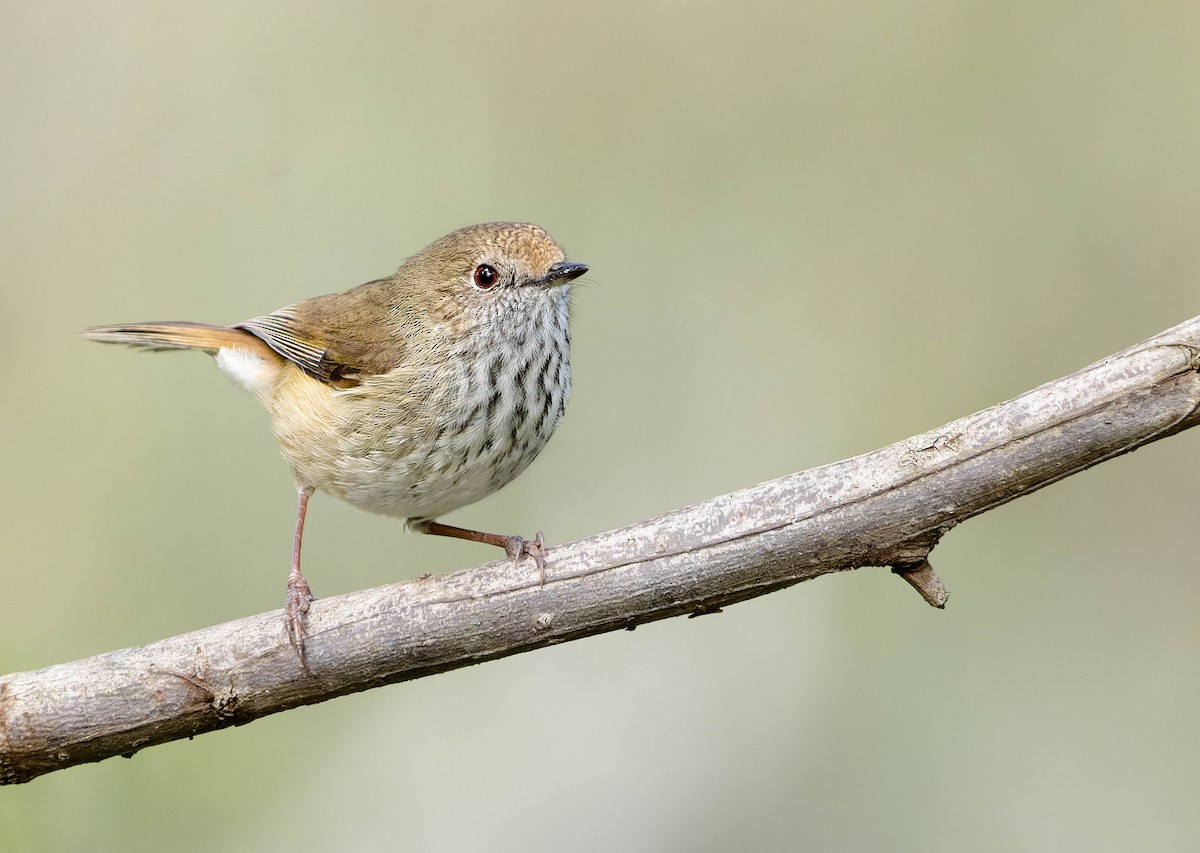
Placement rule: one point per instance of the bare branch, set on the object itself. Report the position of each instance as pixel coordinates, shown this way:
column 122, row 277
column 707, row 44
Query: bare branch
column 887, row 508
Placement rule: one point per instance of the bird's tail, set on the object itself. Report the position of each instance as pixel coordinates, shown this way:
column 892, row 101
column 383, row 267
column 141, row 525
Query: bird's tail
column 180, row 335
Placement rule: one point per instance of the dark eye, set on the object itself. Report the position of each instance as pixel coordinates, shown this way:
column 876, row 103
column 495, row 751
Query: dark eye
column 486, row 276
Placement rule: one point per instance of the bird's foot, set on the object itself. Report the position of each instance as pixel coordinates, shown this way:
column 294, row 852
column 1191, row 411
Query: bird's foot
column 518, row 546
column 515, row 546
column 299, row 596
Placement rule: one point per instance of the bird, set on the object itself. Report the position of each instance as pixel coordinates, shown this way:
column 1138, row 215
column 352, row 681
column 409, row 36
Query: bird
column 411, row 395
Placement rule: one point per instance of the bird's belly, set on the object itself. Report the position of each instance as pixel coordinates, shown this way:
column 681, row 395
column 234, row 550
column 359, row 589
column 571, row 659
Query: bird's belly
column 430, row 479
column 416, row 456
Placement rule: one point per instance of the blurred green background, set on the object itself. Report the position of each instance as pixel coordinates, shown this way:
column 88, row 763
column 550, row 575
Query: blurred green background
column 814, row 227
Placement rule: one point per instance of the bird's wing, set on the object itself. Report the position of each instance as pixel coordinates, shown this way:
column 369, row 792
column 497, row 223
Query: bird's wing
column 340, row 339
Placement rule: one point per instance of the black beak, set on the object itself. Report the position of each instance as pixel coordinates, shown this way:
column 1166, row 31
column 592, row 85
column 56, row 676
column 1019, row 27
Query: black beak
column 564, row 271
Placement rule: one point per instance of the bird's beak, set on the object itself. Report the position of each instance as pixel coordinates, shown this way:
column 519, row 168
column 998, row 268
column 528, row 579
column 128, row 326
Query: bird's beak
column 561, row 273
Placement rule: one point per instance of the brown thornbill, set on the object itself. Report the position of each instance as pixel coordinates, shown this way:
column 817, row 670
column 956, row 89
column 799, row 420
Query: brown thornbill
column 411, row 395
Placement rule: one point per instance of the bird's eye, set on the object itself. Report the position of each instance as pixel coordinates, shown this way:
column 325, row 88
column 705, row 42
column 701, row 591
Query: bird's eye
column 486, row 276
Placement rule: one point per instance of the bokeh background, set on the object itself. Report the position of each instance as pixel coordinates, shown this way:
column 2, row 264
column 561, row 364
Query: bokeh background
column 814, row 228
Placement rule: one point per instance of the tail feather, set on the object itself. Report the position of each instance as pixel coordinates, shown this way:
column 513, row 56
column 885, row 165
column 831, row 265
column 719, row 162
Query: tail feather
column 179, row 335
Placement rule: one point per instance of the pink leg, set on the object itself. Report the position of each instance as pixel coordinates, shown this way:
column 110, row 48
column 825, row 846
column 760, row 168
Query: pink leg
column 515, row 546
column 298, row 592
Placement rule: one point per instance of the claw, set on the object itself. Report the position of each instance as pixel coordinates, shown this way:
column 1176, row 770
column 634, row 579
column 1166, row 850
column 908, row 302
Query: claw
column 518, row 546
column 299, row 596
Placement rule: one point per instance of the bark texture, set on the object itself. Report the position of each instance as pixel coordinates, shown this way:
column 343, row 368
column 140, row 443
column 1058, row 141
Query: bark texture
column 886, row 508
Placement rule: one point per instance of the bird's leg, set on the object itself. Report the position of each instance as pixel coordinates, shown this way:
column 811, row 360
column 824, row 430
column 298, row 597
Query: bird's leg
column 515, row 546
column 298, row 592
